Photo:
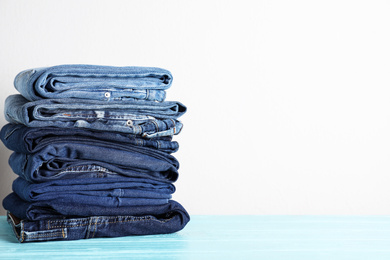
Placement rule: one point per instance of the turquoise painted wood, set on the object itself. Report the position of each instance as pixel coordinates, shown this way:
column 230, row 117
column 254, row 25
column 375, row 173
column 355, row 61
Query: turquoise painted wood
column 228, row 237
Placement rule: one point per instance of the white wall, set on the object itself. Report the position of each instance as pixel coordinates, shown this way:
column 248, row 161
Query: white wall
column 288, row 101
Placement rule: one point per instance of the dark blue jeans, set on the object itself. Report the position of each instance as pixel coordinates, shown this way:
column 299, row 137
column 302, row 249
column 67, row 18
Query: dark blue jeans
column 173, row 219
column 23, row 139
column 55, row 209
column 112, row 192
column 90, row 158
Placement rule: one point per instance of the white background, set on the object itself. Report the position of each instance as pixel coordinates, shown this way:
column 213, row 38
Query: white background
column 288, row 101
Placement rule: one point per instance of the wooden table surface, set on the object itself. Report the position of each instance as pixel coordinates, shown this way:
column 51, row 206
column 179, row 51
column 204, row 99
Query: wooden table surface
column 227, row 237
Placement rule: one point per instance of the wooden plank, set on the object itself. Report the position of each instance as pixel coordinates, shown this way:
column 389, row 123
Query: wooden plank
column 228, row 237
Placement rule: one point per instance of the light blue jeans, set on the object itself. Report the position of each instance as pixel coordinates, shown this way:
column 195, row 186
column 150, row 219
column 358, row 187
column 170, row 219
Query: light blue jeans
column 105, row 83
column 151, row 119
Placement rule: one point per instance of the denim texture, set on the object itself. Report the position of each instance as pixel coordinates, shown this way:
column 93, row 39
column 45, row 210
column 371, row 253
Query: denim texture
column 90, row 190
column 92, row 147
column 23, row 139
column 105, row 83
column 88, row 159
column 170, row 221
column 151, row 119
column 54, row 209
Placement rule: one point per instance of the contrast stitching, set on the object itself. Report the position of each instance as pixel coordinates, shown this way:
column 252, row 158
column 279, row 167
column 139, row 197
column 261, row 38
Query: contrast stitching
column 86, row 168
column 21, row 231
column 113, row 222
column 53, row 234
column 107, row 116
column 89, row 228
column 93, row 234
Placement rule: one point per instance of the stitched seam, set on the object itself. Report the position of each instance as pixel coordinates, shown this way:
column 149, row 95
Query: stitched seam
column 93, row 234
column 89, row 227
column 113, row 222
column 14, row 227
column 95, row 74
column 139, row 218
column 86, row 168
column 110, row 116
column 48, row 235
column 155, row 123
column 21, row 231
column 10, row 133
column 16, row 233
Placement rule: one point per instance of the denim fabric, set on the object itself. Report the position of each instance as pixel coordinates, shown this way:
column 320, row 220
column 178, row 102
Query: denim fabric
column 22, row 139
column 151, row 119
column 93, row 189
column 48, row 209
column 105, row 83
column 90, row 159
column 92, row 148
column 170, row 221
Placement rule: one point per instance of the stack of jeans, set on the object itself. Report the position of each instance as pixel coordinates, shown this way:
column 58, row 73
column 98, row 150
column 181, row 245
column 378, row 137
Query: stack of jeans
column 92, row 151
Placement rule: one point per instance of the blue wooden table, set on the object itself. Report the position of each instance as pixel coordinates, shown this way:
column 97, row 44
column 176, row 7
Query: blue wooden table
column 228, row 237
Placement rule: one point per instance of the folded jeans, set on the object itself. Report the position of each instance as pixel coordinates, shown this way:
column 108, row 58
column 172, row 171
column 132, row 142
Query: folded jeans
column 99, row 226
column 23, row 139
column 147, row 118
column 87, row 159
column 92, row 188
column 52, row 209
column 105, row 83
